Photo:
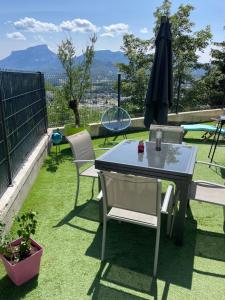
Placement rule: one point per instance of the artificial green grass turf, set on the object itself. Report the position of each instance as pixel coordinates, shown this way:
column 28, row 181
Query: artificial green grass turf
column 71, row 268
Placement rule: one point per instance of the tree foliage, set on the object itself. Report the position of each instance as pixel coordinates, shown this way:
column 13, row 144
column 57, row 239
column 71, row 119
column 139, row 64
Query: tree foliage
column 186, row 44
column 209, row 90
column 218, row 60
column 78, row 74
column 137, row 70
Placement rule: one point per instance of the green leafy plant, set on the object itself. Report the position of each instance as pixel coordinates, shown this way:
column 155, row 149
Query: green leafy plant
column 5, row 243
column 27, row 223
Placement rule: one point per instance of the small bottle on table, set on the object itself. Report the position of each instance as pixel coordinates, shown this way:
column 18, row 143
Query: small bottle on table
column 158, row 139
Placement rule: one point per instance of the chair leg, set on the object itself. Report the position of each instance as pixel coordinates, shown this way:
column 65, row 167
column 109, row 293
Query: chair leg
column 156, row 251
column 77, row 191
column 173, row 219
column 103, row 239
column 92, row 189
column 169, row 220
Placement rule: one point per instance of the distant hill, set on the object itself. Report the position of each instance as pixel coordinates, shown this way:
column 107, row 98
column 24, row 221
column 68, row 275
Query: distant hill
column 40, row 58
column 104, row 64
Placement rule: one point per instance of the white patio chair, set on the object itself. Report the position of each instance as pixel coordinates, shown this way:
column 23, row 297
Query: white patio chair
column 83, row 153
column 170, row 134
column 137, row 200
column 209, row 192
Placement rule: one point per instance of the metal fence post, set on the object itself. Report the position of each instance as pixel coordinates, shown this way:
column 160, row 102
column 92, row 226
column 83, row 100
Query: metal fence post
column 6, row 145
column 43, row 96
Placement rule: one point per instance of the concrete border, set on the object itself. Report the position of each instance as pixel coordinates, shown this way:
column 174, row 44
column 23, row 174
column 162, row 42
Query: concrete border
column 13, row 198
column 96, row 130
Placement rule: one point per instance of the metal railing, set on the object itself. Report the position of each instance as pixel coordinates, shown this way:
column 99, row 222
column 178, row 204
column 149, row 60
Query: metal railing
column 101, row 95
column 23, row 120
column 104, row 94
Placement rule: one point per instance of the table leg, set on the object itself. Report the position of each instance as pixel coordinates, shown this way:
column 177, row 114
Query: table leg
column 183, row 189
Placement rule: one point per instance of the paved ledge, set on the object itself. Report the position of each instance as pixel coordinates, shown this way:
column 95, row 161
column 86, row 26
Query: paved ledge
column 13, row 198
column 191, row 117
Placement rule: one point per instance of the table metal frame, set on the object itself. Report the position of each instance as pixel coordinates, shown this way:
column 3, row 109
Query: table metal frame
column 220, row 124
column 182, row 181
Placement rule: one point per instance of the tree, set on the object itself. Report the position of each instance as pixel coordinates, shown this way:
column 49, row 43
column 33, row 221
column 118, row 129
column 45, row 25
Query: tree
column 185, row 44
column 210, row 88
column 218, row 60
column 137, row 70
column 78, row 74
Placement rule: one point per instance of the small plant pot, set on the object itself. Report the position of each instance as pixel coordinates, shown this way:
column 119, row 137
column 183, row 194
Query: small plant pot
column 25, row 269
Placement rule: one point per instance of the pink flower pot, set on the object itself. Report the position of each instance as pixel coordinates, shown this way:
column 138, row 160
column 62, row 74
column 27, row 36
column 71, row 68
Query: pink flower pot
column 26, row 269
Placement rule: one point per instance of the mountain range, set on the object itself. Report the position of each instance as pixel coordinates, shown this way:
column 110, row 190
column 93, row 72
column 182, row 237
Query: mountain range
column 41, row 58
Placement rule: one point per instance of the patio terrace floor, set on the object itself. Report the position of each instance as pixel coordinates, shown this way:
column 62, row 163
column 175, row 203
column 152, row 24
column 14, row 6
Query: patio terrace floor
column 71, row 267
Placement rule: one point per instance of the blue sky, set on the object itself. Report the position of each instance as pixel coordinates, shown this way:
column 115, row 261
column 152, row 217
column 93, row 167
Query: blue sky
column 25, row 23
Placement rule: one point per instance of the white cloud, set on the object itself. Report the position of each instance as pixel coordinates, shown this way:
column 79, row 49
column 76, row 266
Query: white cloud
column 79, row 25
column 8, row 22
column 144, row 30
column 115, row 29
column 33, row 25
column 41, row 39
column 16, row 36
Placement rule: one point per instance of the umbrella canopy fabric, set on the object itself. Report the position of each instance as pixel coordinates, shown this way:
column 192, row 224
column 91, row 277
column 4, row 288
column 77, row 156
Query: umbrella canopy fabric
column 160, row 88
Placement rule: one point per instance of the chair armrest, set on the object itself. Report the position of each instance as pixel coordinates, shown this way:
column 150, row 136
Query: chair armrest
column 210, row 164
column 209, row 183
column 82, row 160
column 167, row 199
column 101, row 149
column 100, row 195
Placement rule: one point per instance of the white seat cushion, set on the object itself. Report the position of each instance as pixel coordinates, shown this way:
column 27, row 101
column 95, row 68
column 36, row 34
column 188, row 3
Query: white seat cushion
column 132, row 217
column 208, row 193
column 90, row 172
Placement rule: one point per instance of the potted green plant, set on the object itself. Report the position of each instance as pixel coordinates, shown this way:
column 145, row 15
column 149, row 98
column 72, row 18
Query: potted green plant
column 21, row 257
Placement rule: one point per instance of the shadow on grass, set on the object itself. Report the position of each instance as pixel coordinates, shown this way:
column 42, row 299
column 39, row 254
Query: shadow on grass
column 200, row 141
column 219, row 171
column 210, row 245
column 197, row 141
column 109, row 143
column 89, row 211
column 54, row 160
column 106, row 292
column 9, row 290
column 130, row 258
column 209, row 273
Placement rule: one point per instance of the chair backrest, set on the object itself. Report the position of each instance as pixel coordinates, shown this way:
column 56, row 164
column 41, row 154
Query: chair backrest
column 81, row 146
column 170, row 134
column 115, row 119
column 135, row 193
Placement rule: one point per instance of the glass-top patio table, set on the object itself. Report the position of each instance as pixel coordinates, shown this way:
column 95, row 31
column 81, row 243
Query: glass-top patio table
column 175, row 162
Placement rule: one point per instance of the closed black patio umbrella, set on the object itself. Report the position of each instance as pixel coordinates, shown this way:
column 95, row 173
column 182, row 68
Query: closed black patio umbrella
column 160, row 88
